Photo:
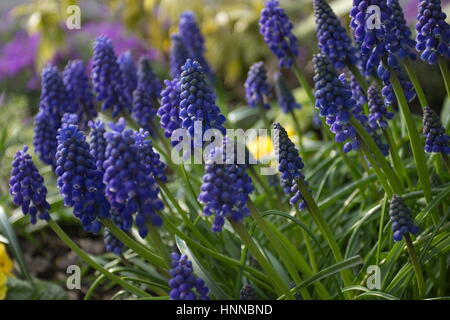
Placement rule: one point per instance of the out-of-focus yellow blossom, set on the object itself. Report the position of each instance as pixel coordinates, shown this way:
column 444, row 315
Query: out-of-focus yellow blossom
column 261, row 146
column 3, row 287
column 6, row 264
column 6, row 267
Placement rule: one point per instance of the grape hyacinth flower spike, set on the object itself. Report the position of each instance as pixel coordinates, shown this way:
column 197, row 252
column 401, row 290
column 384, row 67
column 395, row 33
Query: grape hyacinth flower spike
column 382, row 46
column 404, row 46
column 44, row 138
column 169, row 111
column 150, row 157
column 183, row 283
column 129, row 70
column 55, row 99
column 130, row 186
column 79, row 181
column 97, row 143
column 256, row 86
column 77, row 81
column 334, row 102
column 433, row 32
column 332, row 37
column 193, row 40
column 146, row 94
column 436, row 140
column 107, row 78
column 178, row 55
column 290, row 165
column 378, row 113
column 26, row 186
column 275, row 27
column 225, row 190
column 402, row 220
column 198, row 100
column 286, row 100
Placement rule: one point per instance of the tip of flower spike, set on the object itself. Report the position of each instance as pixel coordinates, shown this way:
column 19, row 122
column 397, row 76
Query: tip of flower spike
column 118, row 126
column 102, row 41
column 96, row 124
column 49, row 69
column 191, row 65
column 188, row 15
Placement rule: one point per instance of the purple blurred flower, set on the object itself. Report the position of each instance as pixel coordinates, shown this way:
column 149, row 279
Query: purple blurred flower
column 18, row 54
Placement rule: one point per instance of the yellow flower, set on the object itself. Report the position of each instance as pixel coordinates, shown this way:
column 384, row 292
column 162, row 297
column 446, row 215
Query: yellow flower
column 3, row 288
column 6, row 265
column 261, row 146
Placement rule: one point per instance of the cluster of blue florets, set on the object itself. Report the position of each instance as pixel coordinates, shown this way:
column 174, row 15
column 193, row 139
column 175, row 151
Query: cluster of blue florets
column 335, row 102
column 183, row 283
column 79, row 180
column 169, row 111
column 198, row 101
column 149, row 156
column 77, row 81
column 436, row 140
column 129, row 71
column 27, row 188
column 433, row 33
column 332, row 37
column 290, row 165
column 178, row 55
column 384, row 45
column 146, row 94
column 402, row 220
column 193, row 40
column 108, row 80
column 256, row 86
column 225, row 190
column 276, row 29
column 378, row 113
column 130, row 186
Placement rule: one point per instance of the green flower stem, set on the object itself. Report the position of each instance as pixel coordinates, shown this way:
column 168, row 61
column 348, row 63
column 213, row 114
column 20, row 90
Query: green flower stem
column 86, row 258
column 297, row 129
column 359, row 77
column 415, row 81
column 416, row 265
column 185, row 217
column 369, row 156
column 380, row 159
column 445, row 74
column 304, row 83
column 299, row 261
column 396, row 161
column 380, row 229
column 212, row 252
column 155, row 237
column 414, row 138
column 278, row 246
column 309, row 248
column 276, row 281
column 133, row 244
column 324, row 228
column 266, row 188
